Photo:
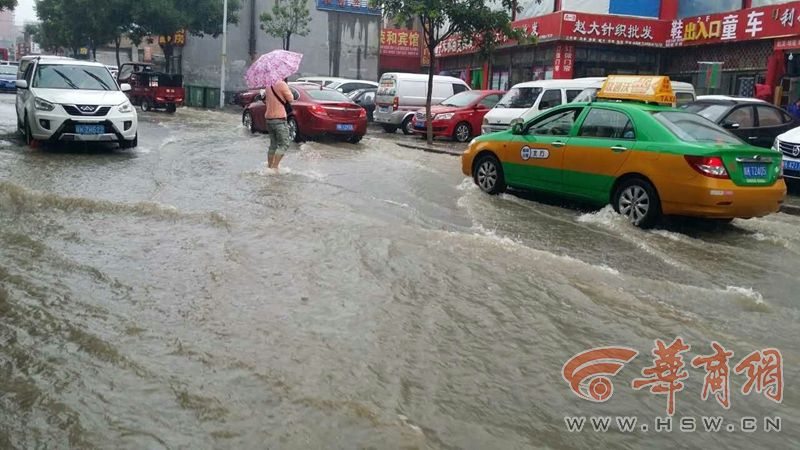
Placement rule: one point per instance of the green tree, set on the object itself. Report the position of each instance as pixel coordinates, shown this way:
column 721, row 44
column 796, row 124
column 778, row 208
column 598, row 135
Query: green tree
column 8, row 4
column 166, row 17
column 288, row 17
column 470, row 21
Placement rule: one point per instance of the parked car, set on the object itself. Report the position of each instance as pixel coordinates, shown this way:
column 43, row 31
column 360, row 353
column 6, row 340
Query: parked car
column 366, row 99
column 61, row 99
column 754, row 121
column 684, row 93
column 347, row 86
column 605, row 152
column 400, row 95
column 244, row 98
column 8, row 78
column 526, row 100
column 788, row 143
column 316, row 111
column 151, row 89
column 460, row 116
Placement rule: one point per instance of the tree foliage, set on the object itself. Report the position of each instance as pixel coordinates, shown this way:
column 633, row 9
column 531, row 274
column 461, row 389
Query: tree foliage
column 288, row 18
column 73, row 24
column 470, row 21
column 8, row 4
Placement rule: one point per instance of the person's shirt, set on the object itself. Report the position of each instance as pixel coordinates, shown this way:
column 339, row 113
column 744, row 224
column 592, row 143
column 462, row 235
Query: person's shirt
column 275, row 109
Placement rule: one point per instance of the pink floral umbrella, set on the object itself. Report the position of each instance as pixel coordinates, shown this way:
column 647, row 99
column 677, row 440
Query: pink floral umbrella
column 272, row 67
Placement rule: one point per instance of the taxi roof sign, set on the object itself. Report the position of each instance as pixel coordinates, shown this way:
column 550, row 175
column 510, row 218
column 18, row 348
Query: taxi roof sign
column 648, row 89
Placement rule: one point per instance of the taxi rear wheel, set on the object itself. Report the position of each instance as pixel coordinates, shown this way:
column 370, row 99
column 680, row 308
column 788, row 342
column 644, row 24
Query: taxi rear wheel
column 488, row 175
column 637, row 200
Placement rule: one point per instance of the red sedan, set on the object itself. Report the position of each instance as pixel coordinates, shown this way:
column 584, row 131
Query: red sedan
column 316, row 111
column 460, row 116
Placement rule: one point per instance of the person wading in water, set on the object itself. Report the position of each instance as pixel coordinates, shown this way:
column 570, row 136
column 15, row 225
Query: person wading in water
column 278, row 99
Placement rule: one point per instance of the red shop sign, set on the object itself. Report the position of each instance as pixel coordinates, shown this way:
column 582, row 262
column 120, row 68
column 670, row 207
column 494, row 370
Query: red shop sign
column 545, row 27
column 400, row 42
column 564, row 62
column 608, row 29
column 747, row 24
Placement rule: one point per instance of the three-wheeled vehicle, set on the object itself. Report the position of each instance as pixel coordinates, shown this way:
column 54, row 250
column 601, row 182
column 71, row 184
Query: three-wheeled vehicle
column 151, row 89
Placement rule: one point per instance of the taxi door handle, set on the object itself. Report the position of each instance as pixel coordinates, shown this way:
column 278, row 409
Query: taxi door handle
column 558, row 144
column 618, row 149
column 752, row 138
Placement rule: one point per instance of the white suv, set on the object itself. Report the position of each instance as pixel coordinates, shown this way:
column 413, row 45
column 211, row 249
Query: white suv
column 62, row 99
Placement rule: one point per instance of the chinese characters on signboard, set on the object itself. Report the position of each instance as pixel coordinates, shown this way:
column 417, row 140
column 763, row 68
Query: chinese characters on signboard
column 613, row 29
column 350, row 6
column 400, row 42
column 756, row 23
column 563, row 62
column 178, row 39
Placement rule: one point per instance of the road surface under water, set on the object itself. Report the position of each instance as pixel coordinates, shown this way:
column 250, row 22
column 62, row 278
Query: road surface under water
column 180, row 296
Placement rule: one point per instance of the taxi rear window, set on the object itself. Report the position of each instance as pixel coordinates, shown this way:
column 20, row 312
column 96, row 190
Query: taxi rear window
column 690, row 127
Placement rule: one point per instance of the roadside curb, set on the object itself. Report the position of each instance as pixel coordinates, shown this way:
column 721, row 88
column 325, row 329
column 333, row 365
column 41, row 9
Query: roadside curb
column 440, row 151
column 791, row 210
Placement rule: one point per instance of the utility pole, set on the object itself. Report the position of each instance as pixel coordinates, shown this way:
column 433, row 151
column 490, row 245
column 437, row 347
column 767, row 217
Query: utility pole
column 224, row 54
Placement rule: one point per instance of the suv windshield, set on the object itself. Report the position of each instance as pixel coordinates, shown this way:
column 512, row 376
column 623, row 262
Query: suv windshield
column 690, row 127
column 461, row 100
column 62, row 76
column 523, row 97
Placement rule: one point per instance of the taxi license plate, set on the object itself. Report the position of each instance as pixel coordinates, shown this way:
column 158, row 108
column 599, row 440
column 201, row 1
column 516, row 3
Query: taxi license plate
column 90, row 129
column 344, row 127
column 755, row 170
column 791, row 165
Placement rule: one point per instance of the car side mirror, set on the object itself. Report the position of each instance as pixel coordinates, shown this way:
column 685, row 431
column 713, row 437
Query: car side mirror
column 22, row 84
column 731, row 126
column 517, row 126
column 125, row 87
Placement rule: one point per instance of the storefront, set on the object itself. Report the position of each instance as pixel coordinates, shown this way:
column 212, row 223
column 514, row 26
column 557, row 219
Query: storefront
column 756, row 46
column 400, row 51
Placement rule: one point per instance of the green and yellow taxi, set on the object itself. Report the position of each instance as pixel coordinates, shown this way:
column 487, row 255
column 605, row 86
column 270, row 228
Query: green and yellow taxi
column 632, row 149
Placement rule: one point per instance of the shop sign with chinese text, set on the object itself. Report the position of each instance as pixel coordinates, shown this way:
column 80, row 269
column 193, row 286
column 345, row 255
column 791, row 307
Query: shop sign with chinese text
column 396, row 42
column 350, row 6
column 747, row 24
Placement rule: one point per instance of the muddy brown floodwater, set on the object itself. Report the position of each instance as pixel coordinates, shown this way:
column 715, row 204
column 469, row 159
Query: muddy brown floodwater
column 179, row 296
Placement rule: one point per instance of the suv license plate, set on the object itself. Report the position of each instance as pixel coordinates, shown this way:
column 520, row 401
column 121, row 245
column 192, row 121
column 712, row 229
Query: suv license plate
column 791, row 165
column 90, row 129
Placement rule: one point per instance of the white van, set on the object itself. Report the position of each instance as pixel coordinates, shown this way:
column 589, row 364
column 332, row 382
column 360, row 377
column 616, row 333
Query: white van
column 400, row 95
column 684, row 93
column 529, row 99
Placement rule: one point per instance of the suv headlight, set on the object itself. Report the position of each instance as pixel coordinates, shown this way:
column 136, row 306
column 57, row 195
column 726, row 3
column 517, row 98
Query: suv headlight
column 445, row 116
column 125, row 108
column 43, row 105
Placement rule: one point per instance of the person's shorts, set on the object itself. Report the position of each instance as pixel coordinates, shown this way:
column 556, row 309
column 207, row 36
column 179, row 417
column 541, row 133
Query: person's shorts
column 278, row 136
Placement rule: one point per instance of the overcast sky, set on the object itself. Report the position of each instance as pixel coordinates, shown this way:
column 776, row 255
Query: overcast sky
column 25, row 11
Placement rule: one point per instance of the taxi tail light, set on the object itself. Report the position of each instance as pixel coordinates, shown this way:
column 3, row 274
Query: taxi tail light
column 710, row 166
column 396, row 103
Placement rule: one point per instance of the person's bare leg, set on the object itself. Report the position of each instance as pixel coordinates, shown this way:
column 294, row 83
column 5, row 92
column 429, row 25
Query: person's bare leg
column 270, row 161
column 276, row 161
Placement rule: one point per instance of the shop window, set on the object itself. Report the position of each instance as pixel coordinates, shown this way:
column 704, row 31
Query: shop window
column 691, row 8
column 550, row 99
column 604, row 123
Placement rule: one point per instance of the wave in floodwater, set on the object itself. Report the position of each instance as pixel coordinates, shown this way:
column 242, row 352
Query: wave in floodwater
column 17, row 198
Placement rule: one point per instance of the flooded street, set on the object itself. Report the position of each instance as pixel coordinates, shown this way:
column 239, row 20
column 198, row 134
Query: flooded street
column 180, row 296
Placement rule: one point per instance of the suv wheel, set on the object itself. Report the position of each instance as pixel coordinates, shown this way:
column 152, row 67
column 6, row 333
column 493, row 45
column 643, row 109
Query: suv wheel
column 29, row 140
column 130, row 144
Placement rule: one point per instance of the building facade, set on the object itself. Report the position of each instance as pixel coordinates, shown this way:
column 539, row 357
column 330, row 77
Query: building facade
column 343, row 42
column 753, row 42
